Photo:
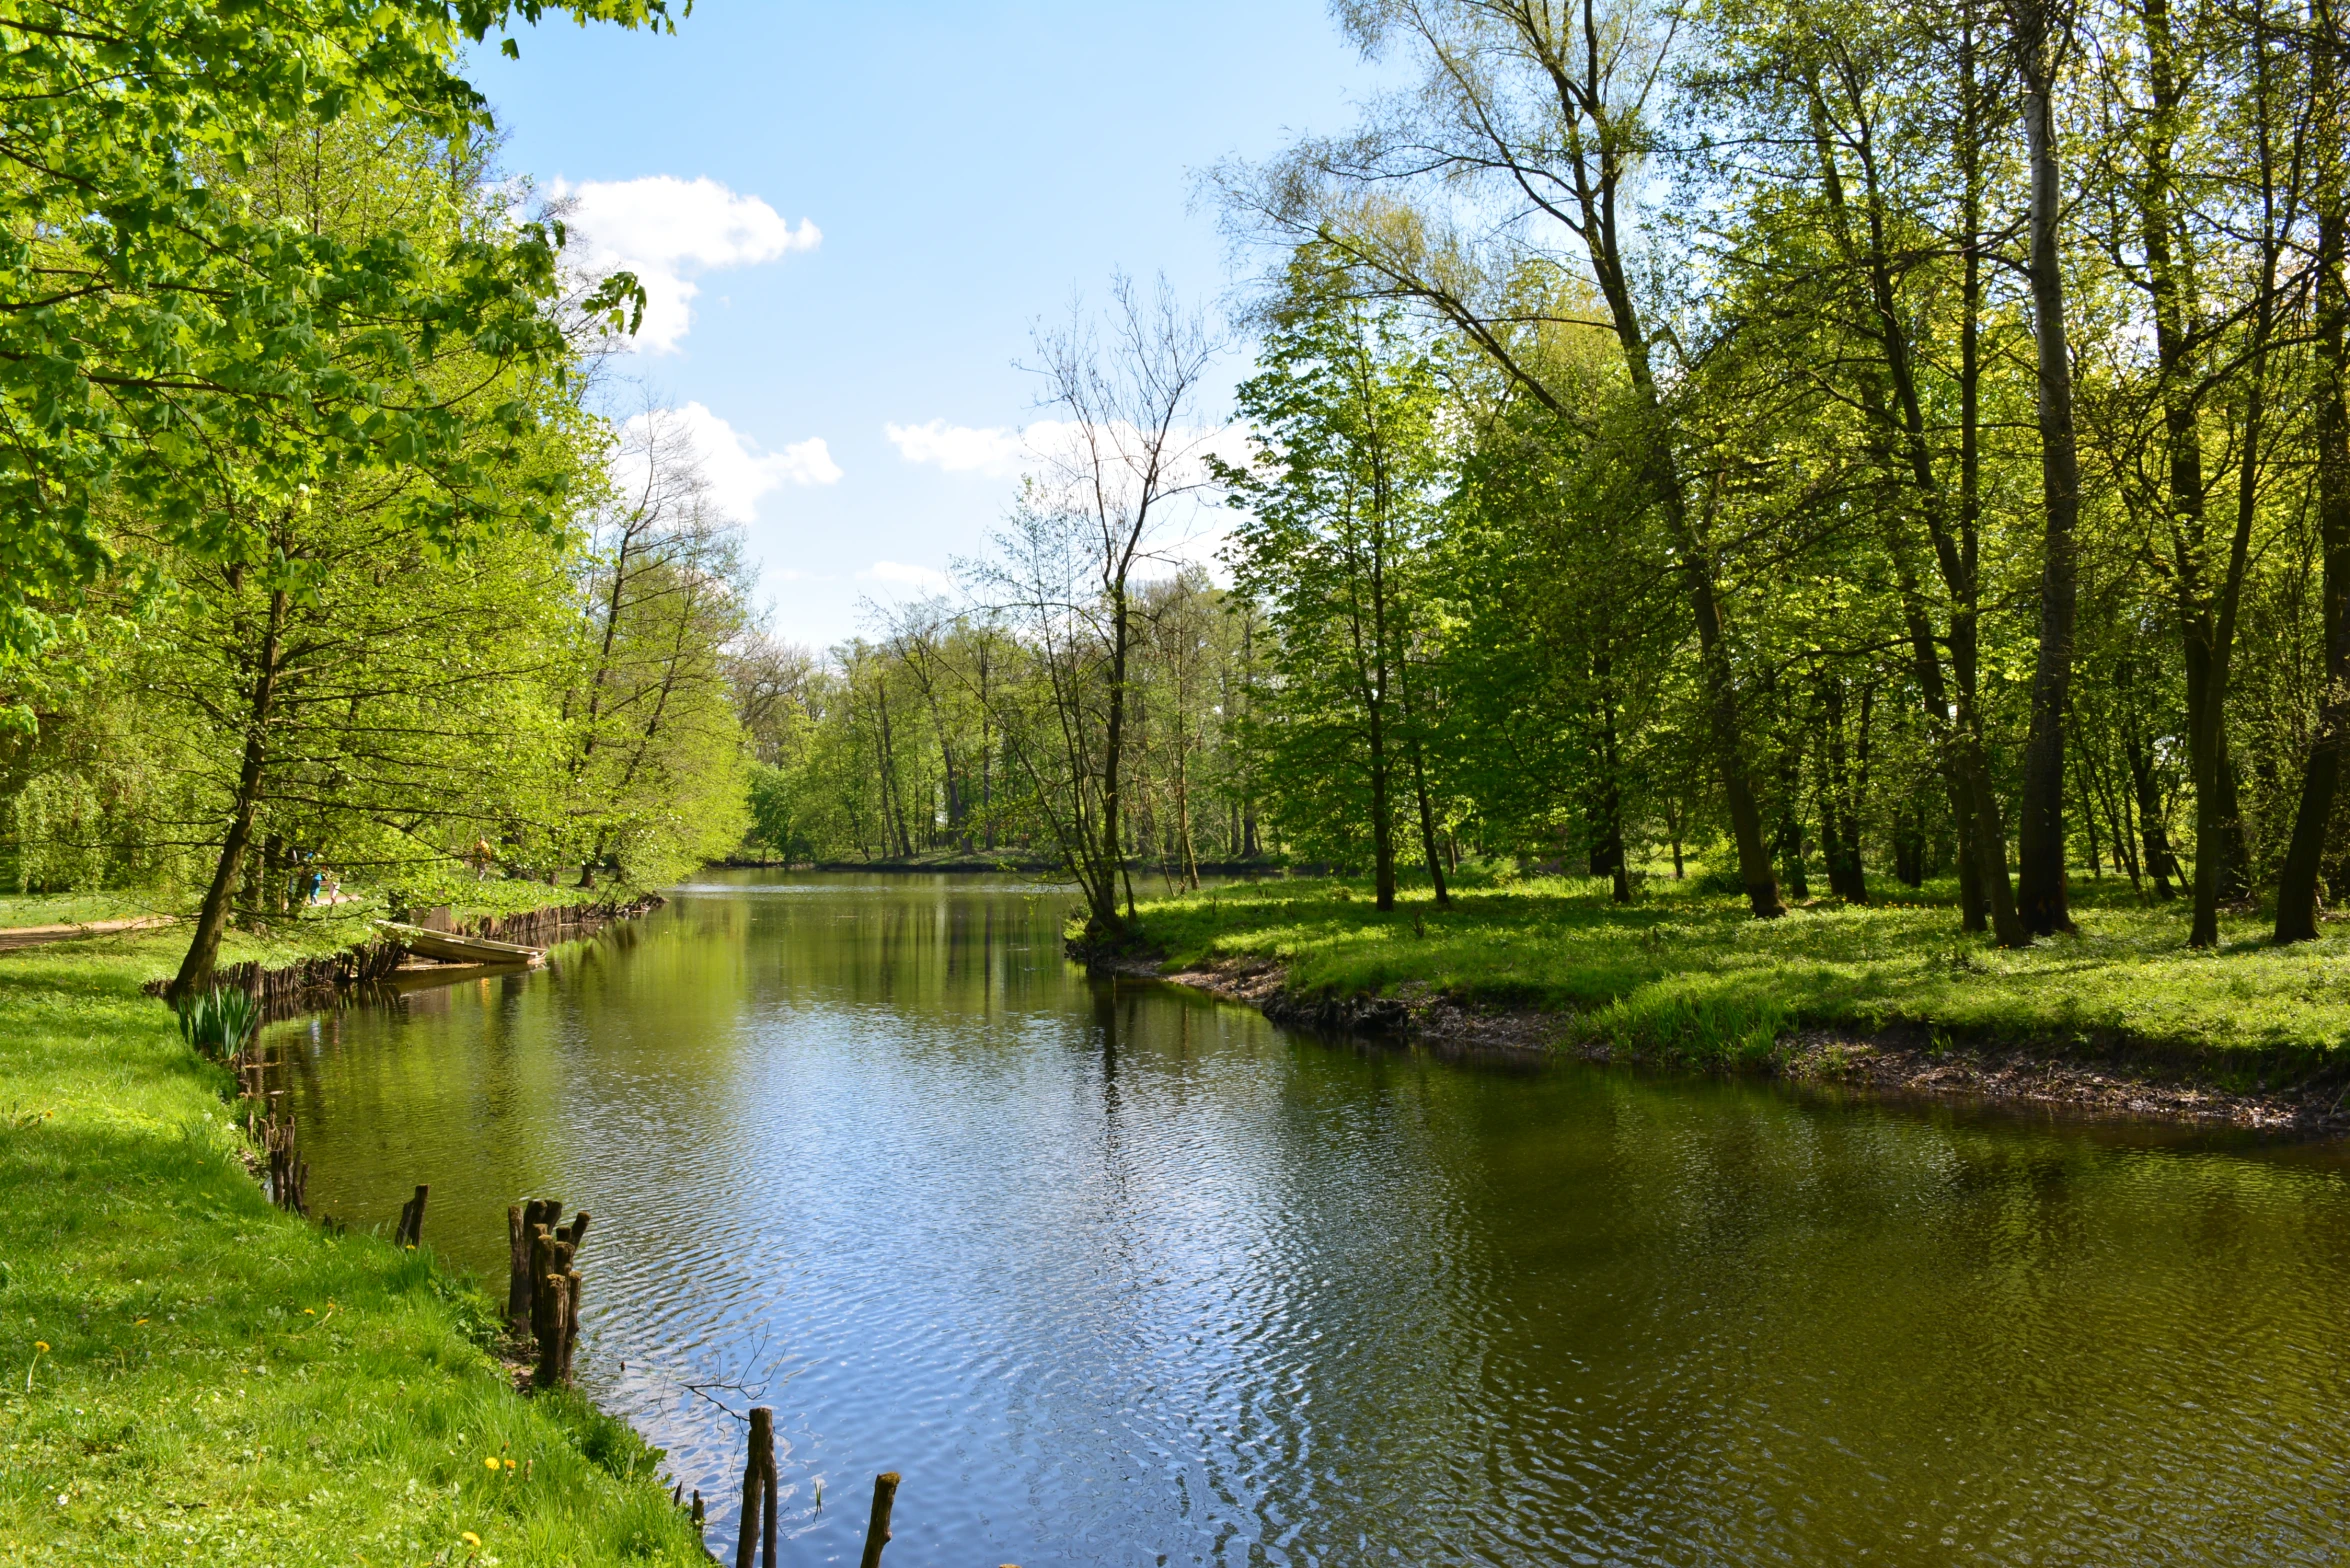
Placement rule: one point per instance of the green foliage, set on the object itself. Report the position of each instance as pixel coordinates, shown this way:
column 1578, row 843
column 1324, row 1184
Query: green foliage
column 1764, row 503
column 219, row 1024
column 780, row 823
column 220, row 1374
column 169, row 345
column 1341, row 504
column 1686, row 976
column 358, row 698
column 653, row 765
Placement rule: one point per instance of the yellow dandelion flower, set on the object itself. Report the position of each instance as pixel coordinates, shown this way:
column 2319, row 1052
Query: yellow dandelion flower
column 509, row 1464
column 470, row 1539
column 491, row 1462
column 310, row 1312
column 135, row 1325
column 40, row 1344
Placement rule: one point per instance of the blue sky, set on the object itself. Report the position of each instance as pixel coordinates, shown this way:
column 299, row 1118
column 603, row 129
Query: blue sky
column 874, row 203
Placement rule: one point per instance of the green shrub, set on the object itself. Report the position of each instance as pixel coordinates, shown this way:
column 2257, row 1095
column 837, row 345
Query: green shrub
column 219, row 1023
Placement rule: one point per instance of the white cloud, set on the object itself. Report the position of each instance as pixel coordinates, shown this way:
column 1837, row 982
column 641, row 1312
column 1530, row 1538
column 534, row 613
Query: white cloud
column 905, row 576
column 959, row 449
column 1000, row 452
column 737, row 472
column 666, row 231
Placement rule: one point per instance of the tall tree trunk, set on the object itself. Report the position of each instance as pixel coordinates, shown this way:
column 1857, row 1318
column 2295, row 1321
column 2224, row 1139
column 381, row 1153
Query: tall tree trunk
column 1104, row 898
column 2218, row 818
column 1610, row 844
column 1411, row 719
column 1428, row 829
column 1721, row 700
column 1790, row 831
column 1382, row 814
column 2160, row 864
column 195, row 971
column 1901, row 433
column 2041, row 899
column 1986, row 897
column 2321, row 775
column 1699, row 573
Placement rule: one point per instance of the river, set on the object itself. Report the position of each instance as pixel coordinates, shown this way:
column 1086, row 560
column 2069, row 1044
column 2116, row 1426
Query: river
column 1118, row 1274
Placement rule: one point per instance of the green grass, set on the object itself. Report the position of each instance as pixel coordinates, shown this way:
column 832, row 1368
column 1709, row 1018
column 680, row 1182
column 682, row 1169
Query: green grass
column 1686, row 975
column 57, row 909
column 311, row 932
column 225, row 1383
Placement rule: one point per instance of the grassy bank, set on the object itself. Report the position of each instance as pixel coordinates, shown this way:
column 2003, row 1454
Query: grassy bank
column 225, row 1383
column 313, row 931
column 1686, row 975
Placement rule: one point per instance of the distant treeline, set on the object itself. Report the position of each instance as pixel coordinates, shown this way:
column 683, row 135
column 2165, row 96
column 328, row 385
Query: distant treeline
column 1877, row 438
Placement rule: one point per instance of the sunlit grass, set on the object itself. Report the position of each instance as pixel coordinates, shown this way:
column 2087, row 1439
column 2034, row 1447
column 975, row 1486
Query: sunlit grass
column 1687, row 974
column 58, row 909
column 312, row 931
column 225, row 1383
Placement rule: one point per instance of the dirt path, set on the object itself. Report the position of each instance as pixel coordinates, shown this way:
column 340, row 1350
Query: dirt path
column 14, row 937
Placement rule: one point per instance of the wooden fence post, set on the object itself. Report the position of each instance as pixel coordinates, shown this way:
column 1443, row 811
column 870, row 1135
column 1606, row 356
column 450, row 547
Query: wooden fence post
column 522, row 1224
column 571, row 1283
column 768, row 1484
column 544, row 1288
column 289, row 1173
column 517, row 1269
column 552, row 1306
column 411, row 1231
column 758, row 1521
column 885, row 1496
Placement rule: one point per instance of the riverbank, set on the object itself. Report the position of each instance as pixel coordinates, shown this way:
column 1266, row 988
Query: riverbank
column 191, row 1375
column 1025, row 862
column 2123, row 1018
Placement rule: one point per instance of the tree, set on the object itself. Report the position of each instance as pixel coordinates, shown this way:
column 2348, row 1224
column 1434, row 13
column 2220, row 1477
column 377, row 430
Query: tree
column 2043, row 41
column 174, row 341
column 2297, row 890
column 1089, row 530
column 655, row 768
column 1544, row 107
column 1341, row 505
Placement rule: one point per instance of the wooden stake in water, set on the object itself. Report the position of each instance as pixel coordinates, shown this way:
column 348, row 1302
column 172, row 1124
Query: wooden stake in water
column 553, row 1307
column 517, row 1268
column 885, row 1496
column 522, row 1222
column 758, row 1492
column 411, row 1231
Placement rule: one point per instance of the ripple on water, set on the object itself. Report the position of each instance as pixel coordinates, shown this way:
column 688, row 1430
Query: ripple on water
column 1117, row 1275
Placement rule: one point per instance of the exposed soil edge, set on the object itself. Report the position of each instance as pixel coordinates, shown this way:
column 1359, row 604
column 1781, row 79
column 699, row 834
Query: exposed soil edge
column 295, row 987
column 2110, row 1080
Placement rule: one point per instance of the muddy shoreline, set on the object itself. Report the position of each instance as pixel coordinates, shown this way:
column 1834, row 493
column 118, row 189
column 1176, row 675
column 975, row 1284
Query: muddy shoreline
column 1893, row 1062
column 381, row 963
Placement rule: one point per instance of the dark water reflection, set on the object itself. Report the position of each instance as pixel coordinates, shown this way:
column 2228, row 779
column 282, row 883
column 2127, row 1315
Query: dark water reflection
column 1120, row 1275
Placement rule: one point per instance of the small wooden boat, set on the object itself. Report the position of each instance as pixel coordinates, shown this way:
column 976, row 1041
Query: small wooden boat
column 451, row 948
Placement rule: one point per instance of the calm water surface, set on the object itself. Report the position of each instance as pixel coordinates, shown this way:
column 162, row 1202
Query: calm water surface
column 1121, row 1275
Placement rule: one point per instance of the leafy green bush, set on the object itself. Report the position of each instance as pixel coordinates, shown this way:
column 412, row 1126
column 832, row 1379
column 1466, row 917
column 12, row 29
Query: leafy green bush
column 219, row 1023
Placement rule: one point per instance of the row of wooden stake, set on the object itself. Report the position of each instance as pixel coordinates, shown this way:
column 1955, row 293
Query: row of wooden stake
column 542, row 1295
column 759, row 1489
column 542, row 1288
column 289, row 1173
